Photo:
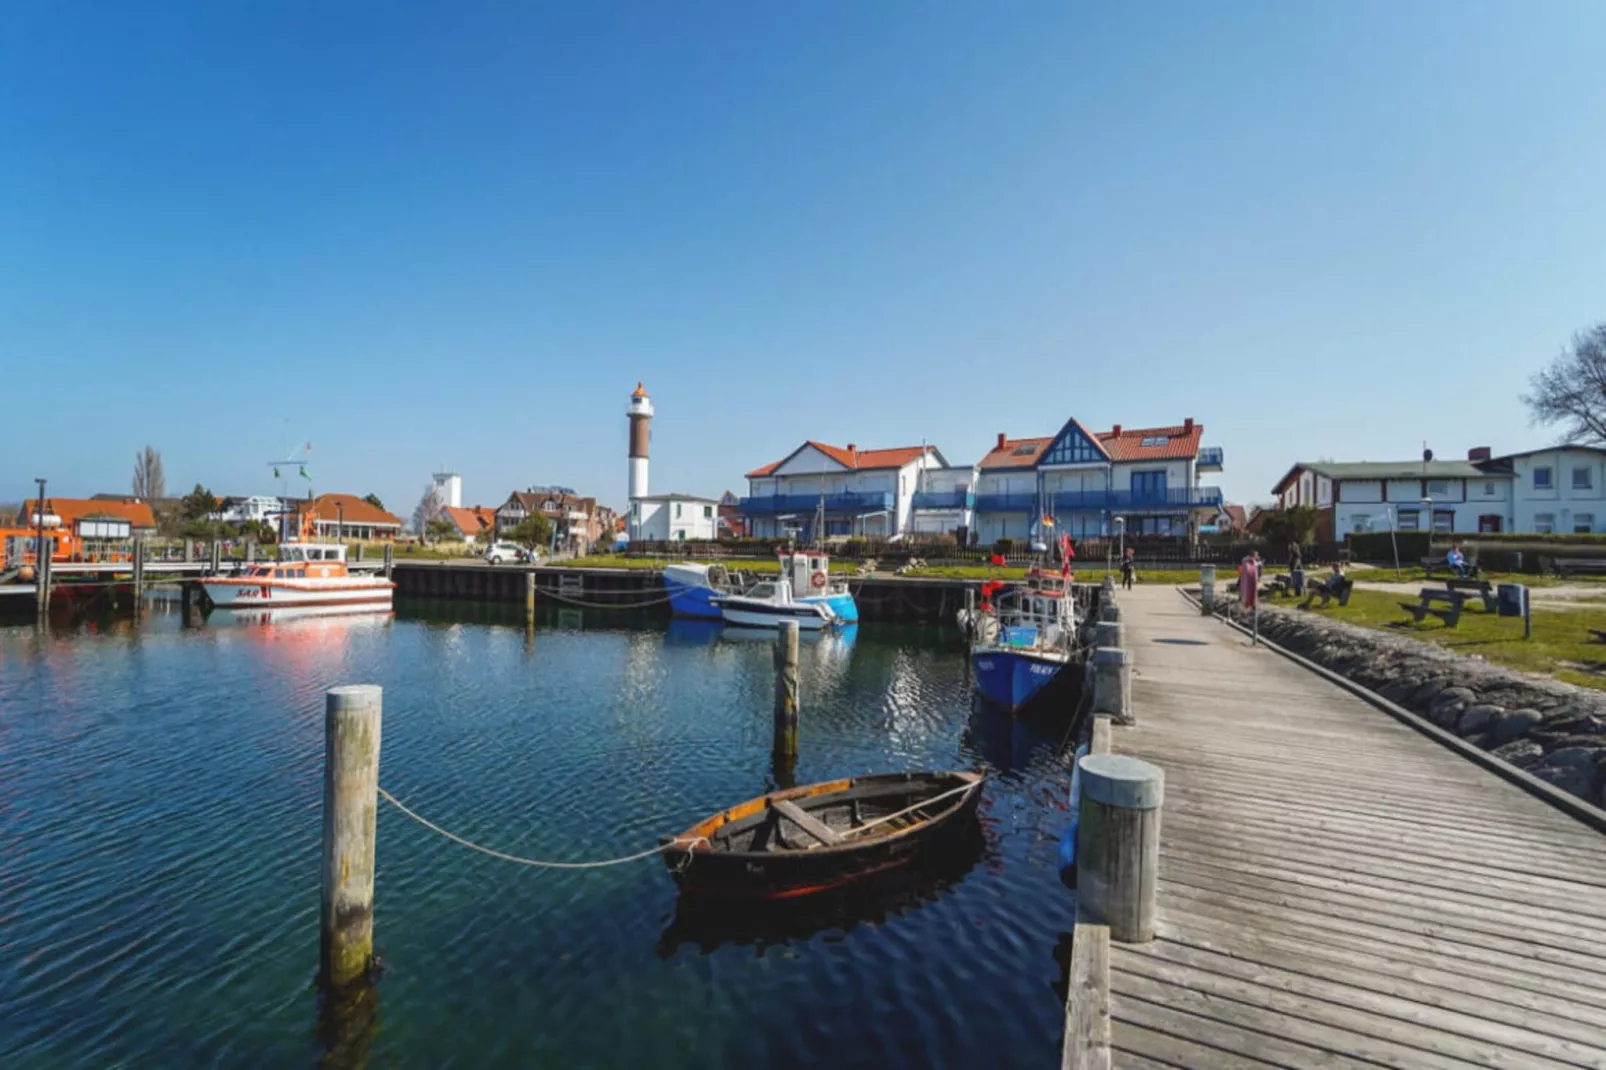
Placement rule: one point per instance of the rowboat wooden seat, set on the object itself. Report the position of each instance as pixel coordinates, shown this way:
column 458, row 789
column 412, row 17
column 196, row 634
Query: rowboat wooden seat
column 806, row 821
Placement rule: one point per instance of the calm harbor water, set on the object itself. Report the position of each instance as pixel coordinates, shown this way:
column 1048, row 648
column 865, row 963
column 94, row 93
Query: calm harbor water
column 160, row 817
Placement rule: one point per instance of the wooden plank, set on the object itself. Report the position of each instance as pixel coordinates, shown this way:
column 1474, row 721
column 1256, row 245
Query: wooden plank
column 1174, row 1051
column 1512, row 954
column 1446, row 1020
column 806, row 821
column 1255, row 1031
column 1087, row 1006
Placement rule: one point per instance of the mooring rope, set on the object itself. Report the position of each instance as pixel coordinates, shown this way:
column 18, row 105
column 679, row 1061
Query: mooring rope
column 543, row 592
column 638, row 856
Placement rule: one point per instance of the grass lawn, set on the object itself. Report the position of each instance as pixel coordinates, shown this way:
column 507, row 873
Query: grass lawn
column 1561, row 645
column 755, row 565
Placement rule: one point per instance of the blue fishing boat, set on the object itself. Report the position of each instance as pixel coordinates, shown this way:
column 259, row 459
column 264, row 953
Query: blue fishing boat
column 695, row 590
column 1023, row 644
column 693, row 587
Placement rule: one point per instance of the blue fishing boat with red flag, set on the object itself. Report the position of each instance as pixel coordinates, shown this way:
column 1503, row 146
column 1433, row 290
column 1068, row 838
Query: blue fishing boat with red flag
column 1024, row 635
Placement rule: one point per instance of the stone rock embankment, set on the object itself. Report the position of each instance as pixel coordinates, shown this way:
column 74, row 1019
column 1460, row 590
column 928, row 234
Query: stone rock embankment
column 1555, row 731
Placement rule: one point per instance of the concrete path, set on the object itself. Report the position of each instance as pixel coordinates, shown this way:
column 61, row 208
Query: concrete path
column 1338, row 890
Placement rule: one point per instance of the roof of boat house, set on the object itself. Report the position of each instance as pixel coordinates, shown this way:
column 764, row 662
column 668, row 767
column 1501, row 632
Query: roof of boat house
column 136, row 511
column 349, row 509
column 854, row 458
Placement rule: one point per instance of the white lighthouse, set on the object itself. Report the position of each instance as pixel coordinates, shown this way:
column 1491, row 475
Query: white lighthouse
column 640, row 413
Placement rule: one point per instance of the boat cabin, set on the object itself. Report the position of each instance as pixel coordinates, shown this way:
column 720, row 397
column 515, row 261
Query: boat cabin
column 809, row 572
column 303, row 561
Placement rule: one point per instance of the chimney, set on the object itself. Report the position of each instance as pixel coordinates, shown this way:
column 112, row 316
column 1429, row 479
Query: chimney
column 852, row 448
column 1000, row 441
column 1117, row 431
column 1479, row 453
column 1187, row 426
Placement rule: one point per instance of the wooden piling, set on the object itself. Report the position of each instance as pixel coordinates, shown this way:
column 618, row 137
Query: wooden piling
column 1109, row 633
column 139, row 569
column 1112, row 684
column 529, row 597
column 1118, row 844
column 786, row 688
column 216, row 560
column 1109, row 611
column 351, row 730
column 1207, row 590
column 390, row 556
column 42, row 569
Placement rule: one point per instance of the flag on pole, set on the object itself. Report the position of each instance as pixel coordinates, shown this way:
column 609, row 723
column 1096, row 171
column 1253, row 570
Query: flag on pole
column 998, row 559
column 304, row 473
column 275, row 471
column 1048, row 521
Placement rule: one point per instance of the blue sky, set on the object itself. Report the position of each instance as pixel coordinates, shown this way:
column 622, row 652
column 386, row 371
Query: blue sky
column 425, row 234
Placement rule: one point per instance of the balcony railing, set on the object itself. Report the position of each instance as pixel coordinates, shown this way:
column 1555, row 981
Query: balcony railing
column 855, row 503
column 942, row 499
column 1210, row 459
column 1006, row 503
column 1173, row 498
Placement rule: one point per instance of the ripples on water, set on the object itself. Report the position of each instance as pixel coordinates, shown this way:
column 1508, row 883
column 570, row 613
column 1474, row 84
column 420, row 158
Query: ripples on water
column 160, row 794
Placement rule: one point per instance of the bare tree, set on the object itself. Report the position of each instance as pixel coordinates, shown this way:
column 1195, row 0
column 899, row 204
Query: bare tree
column 1572, row 391
column 149, row 482
column 430, row 508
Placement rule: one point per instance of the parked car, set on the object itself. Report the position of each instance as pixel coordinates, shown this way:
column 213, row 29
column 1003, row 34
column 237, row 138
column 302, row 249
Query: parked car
column 502, row 553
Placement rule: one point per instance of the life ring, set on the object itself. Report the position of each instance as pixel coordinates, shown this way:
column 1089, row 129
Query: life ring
column 817, row 580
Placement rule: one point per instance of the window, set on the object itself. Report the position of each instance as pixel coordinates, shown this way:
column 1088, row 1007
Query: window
column 1073, row 447
column 677, row 510
column 1155, row 440
column 1583, row 478
column 1544, row 523
column 1408, row 520
column 1583, row 523
column 1438, row 488
column 1024, row 451
column 708, row 512
column 1542, row 478
column 1361, row 523
column 1488, row 489
column 1444, row 520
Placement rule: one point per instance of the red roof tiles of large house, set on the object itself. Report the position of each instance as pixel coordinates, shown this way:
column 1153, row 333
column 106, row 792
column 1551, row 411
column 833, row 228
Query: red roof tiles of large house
column 1153, row 443
column 852, row 457
column 136, row 511
column 1016, row 452
column 349, row 509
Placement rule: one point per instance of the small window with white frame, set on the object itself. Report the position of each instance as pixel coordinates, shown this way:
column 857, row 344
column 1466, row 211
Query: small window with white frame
column 1583, row 478
column 1542, row 477
column 1583, row 523
column 1488, row 488
column 1544, row 523
column 1438, row 488
column 1407, row 520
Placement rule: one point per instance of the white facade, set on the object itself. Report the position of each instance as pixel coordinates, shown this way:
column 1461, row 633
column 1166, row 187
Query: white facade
column 1558, row 491
column 257, row 508
column 943, row 499
column 449, row 485
column 857, row 501
column 674, row 518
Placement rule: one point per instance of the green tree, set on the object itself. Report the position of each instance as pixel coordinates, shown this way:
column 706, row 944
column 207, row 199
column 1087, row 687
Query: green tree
column 439, row 528
column 532, row 533
column 198, row 504
column 1297, row 523
column 373, row 500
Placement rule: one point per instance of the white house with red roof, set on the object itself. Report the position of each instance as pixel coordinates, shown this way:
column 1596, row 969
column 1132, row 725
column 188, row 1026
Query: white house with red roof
column 860, row 492
column 1085, row 482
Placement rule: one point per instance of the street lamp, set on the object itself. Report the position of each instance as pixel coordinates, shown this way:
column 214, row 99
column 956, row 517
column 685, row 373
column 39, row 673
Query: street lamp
column 1120, row 527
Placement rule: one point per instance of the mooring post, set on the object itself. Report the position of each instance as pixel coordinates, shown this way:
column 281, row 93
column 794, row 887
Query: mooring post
column 351, row 727
column 390, row 553
column 786, row 691
column 1109, row 611
column 189, row 550
column 139, row 569
column 1108, row 587
column 1118, row 843
column 529, row 597
column 1109, row 633
column 217, row 557
column 41, row 572
column 1112, row 684
column 1207, row 589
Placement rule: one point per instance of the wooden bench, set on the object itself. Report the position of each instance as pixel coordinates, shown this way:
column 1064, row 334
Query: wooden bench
column 1483, row 588
column 1329, row 590
column 1439, row 564
column 1580, row 566
column 1426, row 608
column 806, row 821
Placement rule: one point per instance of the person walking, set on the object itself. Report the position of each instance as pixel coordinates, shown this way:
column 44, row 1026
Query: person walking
column 1129, row 568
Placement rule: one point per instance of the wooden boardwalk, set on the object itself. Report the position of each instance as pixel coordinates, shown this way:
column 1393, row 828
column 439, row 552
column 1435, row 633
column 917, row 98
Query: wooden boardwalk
column 1336, row 889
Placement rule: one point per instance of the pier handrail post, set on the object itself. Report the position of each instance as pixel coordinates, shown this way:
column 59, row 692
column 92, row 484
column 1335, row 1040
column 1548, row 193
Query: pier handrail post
column 1118, row 843
column 786, row 689
column 1207, row 590
column 351, row 733
column 1112, row 683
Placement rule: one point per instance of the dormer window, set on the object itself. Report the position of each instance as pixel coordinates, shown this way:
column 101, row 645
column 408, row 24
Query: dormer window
column 1155, row 440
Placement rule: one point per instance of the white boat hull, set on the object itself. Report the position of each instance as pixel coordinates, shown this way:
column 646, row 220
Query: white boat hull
column 807, row 616
column 241, row 594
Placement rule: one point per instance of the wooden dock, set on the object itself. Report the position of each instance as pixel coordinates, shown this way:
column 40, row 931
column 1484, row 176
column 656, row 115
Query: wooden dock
column 1336, row 888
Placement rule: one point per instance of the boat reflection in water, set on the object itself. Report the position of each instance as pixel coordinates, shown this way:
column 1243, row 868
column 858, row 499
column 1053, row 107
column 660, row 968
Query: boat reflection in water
column 707, row 923
column 684, row 631
column 1008, row 743
column 305, row 618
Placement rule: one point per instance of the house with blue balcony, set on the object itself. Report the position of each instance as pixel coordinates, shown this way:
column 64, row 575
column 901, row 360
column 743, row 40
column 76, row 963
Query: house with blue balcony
column 943, row 501
column 1147, row 480
column 858, row 492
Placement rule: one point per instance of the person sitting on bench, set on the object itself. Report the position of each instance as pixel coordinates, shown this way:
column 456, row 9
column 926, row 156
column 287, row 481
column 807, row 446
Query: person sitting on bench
column 1458, row 562
column 1334, row 583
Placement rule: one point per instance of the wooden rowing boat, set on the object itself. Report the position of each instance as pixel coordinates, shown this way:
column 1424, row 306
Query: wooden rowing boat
column 822, row 836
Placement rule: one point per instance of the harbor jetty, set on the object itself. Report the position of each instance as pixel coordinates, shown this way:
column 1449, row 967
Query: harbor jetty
column 1335, row 882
